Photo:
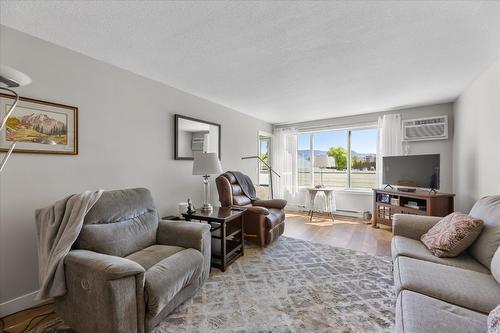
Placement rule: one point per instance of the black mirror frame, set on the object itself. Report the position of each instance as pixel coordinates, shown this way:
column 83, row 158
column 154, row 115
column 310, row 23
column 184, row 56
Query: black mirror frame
column 176, row 134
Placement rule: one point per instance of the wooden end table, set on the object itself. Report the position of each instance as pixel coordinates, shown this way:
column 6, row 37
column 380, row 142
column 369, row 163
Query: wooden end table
column 227, row 233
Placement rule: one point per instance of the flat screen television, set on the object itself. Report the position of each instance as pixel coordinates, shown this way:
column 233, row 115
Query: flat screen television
column 412, row 171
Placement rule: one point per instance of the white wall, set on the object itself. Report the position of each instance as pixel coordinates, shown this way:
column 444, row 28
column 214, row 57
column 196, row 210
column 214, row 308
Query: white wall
column 442, row 147
column 477, row 140
column 126, row 127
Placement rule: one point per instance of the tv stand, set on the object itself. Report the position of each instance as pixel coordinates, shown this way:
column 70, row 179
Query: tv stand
column 420, row 202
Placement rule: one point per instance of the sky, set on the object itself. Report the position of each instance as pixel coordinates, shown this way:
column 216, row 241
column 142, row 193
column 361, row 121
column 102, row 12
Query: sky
column 363, row 141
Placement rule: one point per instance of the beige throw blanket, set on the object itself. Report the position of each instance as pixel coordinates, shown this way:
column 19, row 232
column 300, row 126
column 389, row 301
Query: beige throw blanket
column 58, row 227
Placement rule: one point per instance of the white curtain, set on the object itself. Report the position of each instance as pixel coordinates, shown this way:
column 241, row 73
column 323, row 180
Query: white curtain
column 390, row 138
column 284, row 162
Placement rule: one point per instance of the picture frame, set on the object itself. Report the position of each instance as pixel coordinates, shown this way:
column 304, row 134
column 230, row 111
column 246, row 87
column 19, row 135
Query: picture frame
column 39, row 127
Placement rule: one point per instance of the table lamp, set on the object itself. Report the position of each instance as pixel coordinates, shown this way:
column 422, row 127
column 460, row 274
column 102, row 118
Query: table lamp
column 323, row 162
column 206, row 164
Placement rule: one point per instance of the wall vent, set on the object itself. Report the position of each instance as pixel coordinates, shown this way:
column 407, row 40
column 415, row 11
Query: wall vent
column 432, row 128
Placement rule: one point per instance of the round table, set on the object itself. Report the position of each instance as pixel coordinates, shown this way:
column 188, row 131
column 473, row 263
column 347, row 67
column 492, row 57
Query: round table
column 312, row 191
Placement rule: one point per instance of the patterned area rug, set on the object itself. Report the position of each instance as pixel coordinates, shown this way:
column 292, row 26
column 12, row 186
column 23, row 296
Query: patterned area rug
column 290, row 286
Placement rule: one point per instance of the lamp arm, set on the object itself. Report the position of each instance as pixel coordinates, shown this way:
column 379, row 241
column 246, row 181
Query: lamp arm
column 4, row 122
column 264, row 162
column 4, row 160
column 16, row 96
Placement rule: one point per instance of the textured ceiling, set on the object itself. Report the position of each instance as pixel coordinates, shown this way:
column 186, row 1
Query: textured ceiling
column 282, row 61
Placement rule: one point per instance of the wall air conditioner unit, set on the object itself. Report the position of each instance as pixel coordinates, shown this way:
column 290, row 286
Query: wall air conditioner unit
column 432, row 128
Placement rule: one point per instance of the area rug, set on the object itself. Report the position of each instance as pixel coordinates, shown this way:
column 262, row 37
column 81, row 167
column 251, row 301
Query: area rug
column 290, row 286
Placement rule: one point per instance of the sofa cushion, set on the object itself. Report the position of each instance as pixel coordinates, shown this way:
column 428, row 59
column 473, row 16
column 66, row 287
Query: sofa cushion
column 274, row 218
column 403, row 246
column 473, row 290
column 120, row 223
column 452, row 235
column 485, row 246
column 417, row 313
column 153, row 254
column 169, row 276
column 495, row 265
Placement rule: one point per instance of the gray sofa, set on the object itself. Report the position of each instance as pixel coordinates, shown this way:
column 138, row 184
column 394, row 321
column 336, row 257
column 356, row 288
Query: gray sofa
column 446, row 294
column 128, row 269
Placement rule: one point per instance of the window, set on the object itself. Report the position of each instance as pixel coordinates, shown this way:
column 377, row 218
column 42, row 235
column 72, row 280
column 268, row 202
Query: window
column 264, row 151
column 263, row 189
column 334, row 145
column 304, row 146
column 364, row 158
column 352, row 154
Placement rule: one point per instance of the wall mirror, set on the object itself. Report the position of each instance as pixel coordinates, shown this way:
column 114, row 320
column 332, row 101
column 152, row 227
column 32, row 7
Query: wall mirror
column 195, row 135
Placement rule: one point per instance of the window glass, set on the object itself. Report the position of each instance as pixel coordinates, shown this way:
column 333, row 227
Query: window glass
column 334, row 145
column 264, row 150
column 304, row 159
column 363, row 158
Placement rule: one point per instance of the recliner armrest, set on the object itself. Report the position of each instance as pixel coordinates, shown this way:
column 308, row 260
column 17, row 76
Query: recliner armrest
column 105, row 266
column 257, row 210
column 412, row 226
column 104, row 293
column 192, row 235
column 274, row 203
column 183, row 234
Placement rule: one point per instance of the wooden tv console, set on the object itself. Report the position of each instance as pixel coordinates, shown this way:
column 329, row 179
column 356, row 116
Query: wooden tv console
column 430, row 204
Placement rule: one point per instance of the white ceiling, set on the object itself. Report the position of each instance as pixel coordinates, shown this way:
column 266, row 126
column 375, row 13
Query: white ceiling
column 282, row 61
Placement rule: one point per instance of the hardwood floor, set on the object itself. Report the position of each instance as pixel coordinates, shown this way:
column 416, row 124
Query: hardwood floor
column 346, row 232
column 27, row 320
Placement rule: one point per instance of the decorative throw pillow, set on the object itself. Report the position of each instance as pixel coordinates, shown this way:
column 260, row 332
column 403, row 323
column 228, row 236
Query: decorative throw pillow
column 494, row 320
column 452, row 234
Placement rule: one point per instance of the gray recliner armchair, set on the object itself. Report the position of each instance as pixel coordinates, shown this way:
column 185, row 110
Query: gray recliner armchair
column 128, row 269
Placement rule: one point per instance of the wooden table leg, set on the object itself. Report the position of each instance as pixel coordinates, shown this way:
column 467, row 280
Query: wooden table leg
column 242, row 235
column 223, row 246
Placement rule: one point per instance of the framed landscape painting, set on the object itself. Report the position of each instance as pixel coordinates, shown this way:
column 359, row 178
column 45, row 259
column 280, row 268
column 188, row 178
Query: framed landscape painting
column 39, row 127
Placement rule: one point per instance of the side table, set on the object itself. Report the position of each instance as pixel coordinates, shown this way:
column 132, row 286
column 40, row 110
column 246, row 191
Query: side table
column 227, row 233
column 328, row 196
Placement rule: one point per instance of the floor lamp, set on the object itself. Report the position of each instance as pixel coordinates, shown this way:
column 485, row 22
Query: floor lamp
column 10, row 78
column 271, row 171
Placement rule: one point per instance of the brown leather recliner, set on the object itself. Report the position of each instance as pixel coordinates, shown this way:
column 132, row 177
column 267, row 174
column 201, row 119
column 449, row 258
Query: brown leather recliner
column 264, row 219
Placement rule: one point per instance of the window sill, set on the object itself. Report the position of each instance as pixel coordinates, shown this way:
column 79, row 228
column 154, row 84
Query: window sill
column 342, row 189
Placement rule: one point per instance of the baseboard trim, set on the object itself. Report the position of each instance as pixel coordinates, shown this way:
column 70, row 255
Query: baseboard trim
column 18, row 304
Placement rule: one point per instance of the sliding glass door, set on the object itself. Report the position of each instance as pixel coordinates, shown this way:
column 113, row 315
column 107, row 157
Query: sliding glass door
column 263, row 189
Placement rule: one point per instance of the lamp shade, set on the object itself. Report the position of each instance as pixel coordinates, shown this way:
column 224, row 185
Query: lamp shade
column 322, row 162
column 10, row 77
column 206, row 164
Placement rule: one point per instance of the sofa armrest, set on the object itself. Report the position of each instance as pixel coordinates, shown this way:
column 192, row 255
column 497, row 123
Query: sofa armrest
column 274, row 203
column 412, row 226
column 104, row 293
column 188, row 235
